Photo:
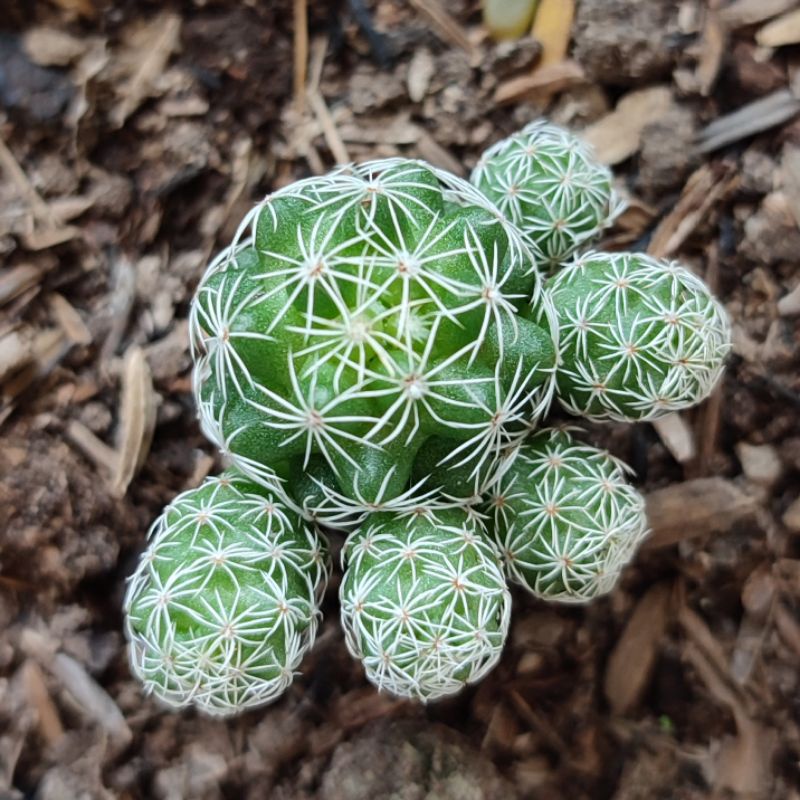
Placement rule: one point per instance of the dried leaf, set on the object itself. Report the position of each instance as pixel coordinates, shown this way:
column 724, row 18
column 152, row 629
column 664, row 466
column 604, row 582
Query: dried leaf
column 631, row 662
column 695, row 508
column 552, row 26
column 548, row 80
column 16, row 350
column 137, row 419
column 161, row 35
column 617, row 136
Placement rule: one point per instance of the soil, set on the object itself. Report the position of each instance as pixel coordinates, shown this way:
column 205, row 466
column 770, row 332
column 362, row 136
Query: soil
column 133, row 138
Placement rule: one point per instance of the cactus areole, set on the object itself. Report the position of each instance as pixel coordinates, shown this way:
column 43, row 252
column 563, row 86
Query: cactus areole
column 375, row 353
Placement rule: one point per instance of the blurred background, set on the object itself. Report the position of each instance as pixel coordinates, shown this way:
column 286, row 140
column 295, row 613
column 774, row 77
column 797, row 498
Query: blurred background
column 133, row 138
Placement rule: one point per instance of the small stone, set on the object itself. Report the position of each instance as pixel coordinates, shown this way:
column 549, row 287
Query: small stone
column 622, row 42
column 760, row 463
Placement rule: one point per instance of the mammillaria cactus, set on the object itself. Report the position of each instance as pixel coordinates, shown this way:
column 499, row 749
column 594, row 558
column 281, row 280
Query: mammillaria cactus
column 224, row 603
column 565, row 518
column 367, row 312
column 639, row 337
column 424, row 601
column 549, row 184
column 374, row 353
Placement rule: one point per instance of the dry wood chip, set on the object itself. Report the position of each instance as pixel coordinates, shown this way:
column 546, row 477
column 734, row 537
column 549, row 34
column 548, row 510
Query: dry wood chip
column 677, row 435
column 743, row 763
column 15, row 281
column 741, row 13
column 703, row 189
column 46, row 230
column 51, row 47
column 695, row 508
column 48, row 348
column 790, row 178
column 443, row 23
column 433, row 152
column 712, row 52
column 552, row 26
column 137, row 419
column 39, row 697
column 123, row 293
column 757, row 599
column 618, row 135
column 782, row 31
column 16, row 350
column 300, row 50
column 420, row 72
column 760, row 115
column 94, row 449
column 791, row 517
column 547, row 80
column 787, row 626
column 69, row 319
column 631, row 662
column 329, row 130
column 92, row 699
column 154, row 45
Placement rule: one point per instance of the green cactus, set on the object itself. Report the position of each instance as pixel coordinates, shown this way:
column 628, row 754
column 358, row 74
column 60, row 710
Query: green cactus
column 374, row 353
column 224, row 603
column 565, row 518
column 367, row 312
column 639, row 337
column 424, row 601
column 548, row 183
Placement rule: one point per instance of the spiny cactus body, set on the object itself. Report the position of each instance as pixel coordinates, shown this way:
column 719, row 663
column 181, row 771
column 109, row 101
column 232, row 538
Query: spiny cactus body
column 550, row 185
column 424, row 601
column 224, row 603
column 565, row 518
column 367, row 312
column 639, row 337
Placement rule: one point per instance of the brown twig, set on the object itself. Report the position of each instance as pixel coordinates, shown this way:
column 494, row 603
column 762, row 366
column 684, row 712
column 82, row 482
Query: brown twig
column 300, row 51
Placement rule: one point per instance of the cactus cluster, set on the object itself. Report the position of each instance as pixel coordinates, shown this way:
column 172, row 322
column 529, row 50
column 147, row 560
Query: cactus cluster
column 375, row 354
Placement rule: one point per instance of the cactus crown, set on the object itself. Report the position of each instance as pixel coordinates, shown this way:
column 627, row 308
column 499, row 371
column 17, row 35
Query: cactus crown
column 365, row 313
column 224, row 603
